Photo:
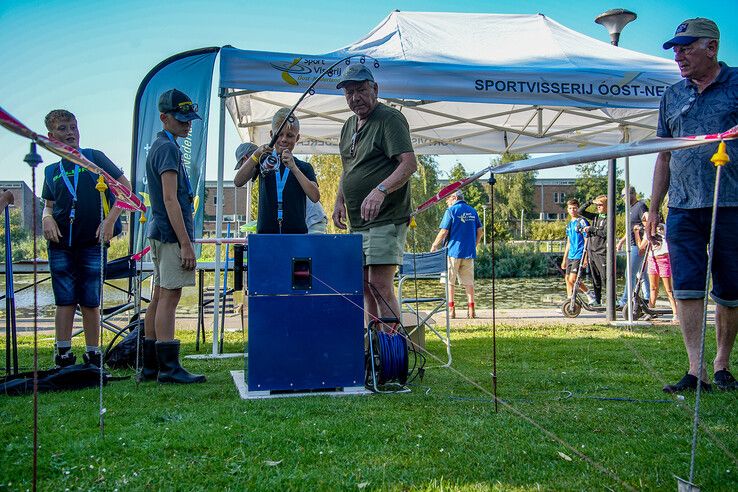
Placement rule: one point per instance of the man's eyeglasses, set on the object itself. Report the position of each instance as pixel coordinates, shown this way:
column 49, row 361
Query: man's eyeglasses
column 354, row 138
column 186, row 107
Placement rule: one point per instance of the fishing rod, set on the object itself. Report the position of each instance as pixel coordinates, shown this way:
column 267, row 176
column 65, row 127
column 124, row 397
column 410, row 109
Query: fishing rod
column 271, row 160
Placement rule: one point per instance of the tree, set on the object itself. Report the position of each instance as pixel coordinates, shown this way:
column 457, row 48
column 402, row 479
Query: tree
column 423, row 185
column 513, row 192
column 328, row 169
column 591, row 182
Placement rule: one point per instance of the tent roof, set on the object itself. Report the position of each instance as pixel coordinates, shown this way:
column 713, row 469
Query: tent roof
column 467, row 83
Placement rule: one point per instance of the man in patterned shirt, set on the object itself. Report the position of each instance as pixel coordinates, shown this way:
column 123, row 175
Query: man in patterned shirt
column 706, row 101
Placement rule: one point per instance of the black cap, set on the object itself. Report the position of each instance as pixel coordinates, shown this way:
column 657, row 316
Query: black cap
column 179, row 105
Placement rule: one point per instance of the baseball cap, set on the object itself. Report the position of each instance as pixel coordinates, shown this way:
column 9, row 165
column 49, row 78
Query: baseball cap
column 279, row 117
column 244, row 150
column 355, row 73
column 691, row 30
column 179, row 105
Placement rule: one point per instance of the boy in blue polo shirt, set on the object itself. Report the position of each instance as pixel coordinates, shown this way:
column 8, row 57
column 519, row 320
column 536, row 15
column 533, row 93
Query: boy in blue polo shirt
column 574, row 250
column 72, row 227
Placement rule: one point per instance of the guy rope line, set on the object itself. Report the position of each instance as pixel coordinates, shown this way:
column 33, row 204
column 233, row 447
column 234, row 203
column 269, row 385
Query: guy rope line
column 550, row 434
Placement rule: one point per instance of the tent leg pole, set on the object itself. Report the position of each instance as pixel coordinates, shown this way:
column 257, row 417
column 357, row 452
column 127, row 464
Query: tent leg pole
column 610, row 265
column 218, row 221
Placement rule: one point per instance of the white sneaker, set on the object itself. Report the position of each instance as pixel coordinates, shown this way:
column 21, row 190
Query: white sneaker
column 591, row 297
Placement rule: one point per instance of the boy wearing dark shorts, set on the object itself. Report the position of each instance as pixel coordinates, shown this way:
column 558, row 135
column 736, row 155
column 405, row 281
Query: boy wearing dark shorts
column 574, row 250
column 72, row 227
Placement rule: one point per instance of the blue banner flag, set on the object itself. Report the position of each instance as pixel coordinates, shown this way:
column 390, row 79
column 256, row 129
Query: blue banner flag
column 192, row 73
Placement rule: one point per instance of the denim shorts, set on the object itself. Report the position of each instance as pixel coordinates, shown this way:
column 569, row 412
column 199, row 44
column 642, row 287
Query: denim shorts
column 688, row 234
column 75, row 276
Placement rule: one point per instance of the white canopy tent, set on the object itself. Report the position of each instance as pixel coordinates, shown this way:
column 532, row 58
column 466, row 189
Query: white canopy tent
column 467, row 84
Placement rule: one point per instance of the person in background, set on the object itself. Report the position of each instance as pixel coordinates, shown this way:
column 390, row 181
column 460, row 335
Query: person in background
column 315, row 217
column 6, row 198
column 703, row 102
column 574, row 250
column 637, row 208
column 597, row 243
column 462, row 230
column 658, row 263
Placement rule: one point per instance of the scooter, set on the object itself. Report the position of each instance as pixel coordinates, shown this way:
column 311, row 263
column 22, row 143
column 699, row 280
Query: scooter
column 640, row 305
column 573, row 306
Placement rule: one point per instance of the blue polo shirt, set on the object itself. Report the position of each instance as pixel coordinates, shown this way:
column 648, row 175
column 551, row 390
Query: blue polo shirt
column 462, row 222
column 684, row 112
column 576, row 238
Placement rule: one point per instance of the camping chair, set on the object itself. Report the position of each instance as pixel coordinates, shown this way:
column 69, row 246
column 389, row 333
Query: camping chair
column 422, row 267
column 121, row 268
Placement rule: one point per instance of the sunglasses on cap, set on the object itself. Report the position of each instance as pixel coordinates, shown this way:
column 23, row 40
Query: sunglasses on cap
column 185, row 108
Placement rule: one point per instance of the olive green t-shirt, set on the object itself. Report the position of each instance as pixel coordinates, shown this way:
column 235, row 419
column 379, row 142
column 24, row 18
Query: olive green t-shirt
column 384, row 136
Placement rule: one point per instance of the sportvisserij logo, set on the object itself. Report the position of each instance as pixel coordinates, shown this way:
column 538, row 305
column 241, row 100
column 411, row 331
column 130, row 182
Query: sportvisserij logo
column 305, row 70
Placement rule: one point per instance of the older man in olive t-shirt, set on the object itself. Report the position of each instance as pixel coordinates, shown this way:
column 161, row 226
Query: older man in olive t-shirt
column 374, row 190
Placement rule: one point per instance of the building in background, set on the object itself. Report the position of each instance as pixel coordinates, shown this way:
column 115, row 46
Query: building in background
column 550, row 197
column 24, row 203
column 234, row 207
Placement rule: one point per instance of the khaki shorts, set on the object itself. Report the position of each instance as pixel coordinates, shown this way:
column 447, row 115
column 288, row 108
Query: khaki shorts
column 384, row 244
column 461, row 269
column 168, row 271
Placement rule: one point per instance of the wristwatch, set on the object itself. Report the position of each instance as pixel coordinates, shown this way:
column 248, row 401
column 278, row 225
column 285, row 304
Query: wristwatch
column 382, row 189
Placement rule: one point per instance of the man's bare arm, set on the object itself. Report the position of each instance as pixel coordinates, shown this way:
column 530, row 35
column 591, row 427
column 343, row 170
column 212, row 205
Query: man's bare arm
column 407, row 164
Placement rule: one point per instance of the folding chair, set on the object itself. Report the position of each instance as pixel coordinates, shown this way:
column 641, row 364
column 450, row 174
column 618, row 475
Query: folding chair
column 121, row 268
column 423, row 267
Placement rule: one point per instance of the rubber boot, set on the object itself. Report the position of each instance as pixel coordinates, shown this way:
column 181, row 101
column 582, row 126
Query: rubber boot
column 452, row 310
column 470, row 311
column 93, row 358
column 65, row 360
column 170, row 370
column 150, row 369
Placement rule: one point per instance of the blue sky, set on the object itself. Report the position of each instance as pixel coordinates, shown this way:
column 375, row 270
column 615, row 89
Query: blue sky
column 90, row 56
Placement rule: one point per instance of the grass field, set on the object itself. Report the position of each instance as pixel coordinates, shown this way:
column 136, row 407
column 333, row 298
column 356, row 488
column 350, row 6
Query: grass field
column 562, row 388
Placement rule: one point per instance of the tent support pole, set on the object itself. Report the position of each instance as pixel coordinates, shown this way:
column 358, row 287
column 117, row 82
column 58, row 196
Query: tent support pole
column 219, row 218
column 610, row 265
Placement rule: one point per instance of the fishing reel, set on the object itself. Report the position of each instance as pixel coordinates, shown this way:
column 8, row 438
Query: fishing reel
column 268, row 163
column 581, row 225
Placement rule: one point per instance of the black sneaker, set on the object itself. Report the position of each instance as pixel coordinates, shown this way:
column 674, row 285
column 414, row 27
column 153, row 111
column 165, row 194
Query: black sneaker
column 724, row 380
column 687, row 383
column 65, row 360
column 92, row 358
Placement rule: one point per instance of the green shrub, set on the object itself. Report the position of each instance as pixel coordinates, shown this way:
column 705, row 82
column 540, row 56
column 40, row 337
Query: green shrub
column 512, row 261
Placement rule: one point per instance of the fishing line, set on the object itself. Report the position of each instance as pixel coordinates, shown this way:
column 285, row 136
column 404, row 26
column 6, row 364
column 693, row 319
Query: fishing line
column 519, row 413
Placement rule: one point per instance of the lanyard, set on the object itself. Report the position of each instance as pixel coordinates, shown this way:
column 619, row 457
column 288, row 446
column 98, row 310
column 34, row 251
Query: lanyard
column 181, row 165
column 73, row 192
column 281, row 181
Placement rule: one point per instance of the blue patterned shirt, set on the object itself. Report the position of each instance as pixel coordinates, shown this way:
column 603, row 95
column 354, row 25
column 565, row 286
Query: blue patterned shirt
column 683, row 112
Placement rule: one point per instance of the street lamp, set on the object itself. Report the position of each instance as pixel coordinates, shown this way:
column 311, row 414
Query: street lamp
column 614, row 20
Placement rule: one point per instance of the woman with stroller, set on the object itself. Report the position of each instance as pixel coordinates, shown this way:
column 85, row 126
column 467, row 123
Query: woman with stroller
column 658, row 262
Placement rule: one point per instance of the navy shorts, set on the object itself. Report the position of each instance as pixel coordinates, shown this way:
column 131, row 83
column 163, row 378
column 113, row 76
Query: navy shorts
column 572, row 265
column 688, row 235
column 75, row 276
